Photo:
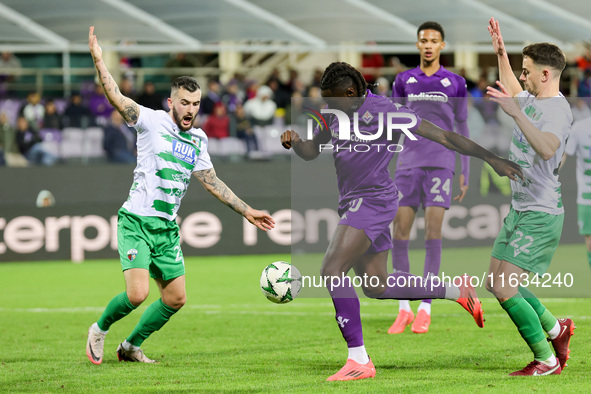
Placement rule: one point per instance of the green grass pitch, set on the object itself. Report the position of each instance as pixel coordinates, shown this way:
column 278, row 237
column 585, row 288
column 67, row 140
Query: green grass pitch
column 229, row 338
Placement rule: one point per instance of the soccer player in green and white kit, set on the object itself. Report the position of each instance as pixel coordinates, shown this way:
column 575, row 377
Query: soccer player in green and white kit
column 532, row 229
column 579, row 143
column 169, row 151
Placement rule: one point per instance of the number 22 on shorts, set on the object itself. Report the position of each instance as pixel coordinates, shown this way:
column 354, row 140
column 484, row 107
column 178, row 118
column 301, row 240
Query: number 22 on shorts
column 523, row 248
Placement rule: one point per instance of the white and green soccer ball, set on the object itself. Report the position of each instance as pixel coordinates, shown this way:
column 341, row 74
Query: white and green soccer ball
column 281, row 282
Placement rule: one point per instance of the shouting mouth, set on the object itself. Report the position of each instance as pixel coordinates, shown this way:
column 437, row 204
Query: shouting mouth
column 187, row 121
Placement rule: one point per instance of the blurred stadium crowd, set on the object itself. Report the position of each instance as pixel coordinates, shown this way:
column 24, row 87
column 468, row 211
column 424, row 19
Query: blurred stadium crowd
column 242, row 117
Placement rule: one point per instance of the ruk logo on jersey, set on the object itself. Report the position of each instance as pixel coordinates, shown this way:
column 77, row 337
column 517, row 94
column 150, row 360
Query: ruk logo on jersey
column 183, row 151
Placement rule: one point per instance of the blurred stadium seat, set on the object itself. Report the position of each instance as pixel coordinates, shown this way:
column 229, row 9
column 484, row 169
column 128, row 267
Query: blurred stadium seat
column 93, row 143
column 82, row 143
column 268, row 138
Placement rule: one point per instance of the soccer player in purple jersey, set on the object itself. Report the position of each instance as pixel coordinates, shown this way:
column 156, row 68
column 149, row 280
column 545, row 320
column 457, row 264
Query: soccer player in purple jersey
column 368, row 200
column 425, row 169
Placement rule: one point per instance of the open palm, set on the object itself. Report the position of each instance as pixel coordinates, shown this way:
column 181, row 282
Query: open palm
column 497, row 39
column 95, row 49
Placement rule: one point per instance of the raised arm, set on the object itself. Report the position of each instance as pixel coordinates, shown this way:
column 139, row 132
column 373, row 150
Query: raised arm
column 506, row 74
column 307, row 150
column 219, row 190
column 465, row 146
column 124, row 105
column 544, row 143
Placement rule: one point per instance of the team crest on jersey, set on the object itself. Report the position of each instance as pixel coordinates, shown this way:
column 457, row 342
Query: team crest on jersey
column 533, row 112
column 183, row 151
column 131, row 254
column 367, row 117
column 445, row 82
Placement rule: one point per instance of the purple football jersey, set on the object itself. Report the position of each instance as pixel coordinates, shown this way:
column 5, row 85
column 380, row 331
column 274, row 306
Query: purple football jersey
column 362, row 166
column 441, row 99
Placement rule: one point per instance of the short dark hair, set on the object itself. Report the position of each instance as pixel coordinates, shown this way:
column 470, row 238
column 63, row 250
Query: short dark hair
column 188, row 83
column 342, row 75
column 546, row 54
column 430, row 25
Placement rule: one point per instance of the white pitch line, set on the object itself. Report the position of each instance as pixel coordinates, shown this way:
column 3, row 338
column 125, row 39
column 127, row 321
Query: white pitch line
column 250, row 309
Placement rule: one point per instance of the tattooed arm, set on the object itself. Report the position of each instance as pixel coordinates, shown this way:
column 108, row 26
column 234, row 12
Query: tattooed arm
column 219, row 190
column 124, row 105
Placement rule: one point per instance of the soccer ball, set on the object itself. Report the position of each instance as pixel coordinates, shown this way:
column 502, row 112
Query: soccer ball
column 281, row 282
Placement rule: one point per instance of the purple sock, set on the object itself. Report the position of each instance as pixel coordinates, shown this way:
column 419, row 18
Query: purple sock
column 405, row 286
column 348, row 314
column 432, row 259
column 400, row 261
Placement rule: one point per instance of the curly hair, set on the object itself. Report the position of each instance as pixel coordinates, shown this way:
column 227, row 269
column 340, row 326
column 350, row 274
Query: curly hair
column 342, row 75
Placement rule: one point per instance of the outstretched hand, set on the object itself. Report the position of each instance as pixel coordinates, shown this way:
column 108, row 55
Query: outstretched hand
column 505, row 167
column 504, row 99
column 95, row 49
column 497, row 39
column 261, row 219
column 289, row 139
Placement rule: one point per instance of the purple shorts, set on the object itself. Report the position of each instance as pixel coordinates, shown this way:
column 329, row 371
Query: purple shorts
column 426, row 186
column 373, row 215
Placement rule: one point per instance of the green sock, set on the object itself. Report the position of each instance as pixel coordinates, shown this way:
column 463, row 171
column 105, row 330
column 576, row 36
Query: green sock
column 155, row 316
column 547, row 320
column 118, row 308
column 589, row 258
column 528, row 324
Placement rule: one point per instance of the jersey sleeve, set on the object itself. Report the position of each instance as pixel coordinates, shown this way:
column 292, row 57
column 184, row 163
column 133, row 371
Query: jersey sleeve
column 324, row 121
column 402, row 109
column 398, row 87
column 571, row 144
column 144, row 119
column 461, row 101
column 204, row 160
column 523, row 97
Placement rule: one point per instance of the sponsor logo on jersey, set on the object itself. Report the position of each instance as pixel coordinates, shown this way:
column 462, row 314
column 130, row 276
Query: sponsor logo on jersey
column 445, row 82
column 428, row 96
column 411, row 80
column 131, row 254
column 183, row 151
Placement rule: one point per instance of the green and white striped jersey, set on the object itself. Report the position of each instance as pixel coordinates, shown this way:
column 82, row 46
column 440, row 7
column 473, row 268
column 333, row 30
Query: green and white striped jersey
column 166, row 159
column 579, row 143
column 540, row 189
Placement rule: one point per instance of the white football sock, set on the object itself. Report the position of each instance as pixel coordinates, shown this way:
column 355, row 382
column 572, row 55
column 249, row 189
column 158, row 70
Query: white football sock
column 425, row 306
column 358, row 354
column 97, row 329
column 404, row 305
column 551, row 361
column 452, row 292
column 553, row 333
column 129, row 347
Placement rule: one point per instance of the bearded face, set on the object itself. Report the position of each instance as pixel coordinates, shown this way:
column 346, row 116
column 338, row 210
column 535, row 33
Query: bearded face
column 184, row 106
